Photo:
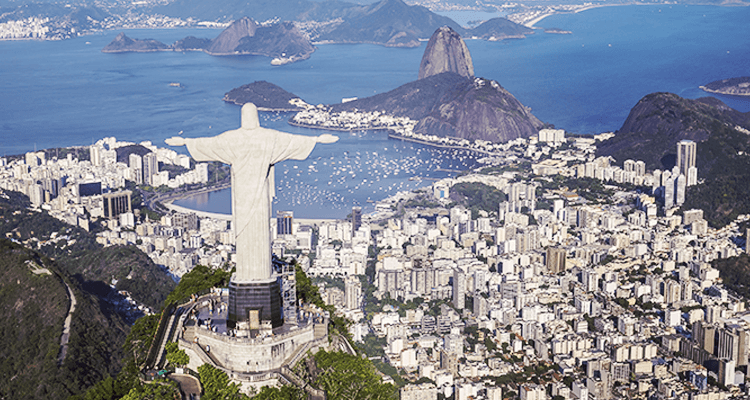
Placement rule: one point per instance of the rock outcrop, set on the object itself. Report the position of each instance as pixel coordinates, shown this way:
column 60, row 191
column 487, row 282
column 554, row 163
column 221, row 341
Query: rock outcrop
column 391, row 23
column 446, row 52
column 229, row 39
column 447, row 100
column 282, row 41
column 451, row 105
column 480, row 109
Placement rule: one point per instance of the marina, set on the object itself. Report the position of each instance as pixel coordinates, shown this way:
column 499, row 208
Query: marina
column 329, row 185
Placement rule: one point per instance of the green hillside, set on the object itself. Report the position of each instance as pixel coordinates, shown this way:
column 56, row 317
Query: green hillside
column 34, row 303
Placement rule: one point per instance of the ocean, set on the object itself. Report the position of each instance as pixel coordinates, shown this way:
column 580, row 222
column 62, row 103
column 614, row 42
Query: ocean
column 66, row 93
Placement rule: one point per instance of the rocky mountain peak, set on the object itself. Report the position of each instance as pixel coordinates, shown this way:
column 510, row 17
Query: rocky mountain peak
column 446, row 52
column 229, row 39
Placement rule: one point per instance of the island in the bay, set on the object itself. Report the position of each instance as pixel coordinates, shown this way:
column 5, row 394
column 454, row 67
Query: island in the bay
column 391, row 23
column 281, row 41
column 732, row 86
column 557, row 31
column 266, row 96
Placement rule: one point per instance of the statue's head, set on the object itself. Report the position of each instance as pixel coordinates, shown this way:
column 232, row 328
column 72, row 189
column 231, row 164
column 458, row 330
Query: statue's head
column 250, row 116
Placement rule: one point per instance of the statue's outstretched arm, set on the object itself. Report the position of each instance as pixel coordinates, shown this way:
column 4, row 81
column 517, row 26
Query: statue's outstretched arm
column 175, row 141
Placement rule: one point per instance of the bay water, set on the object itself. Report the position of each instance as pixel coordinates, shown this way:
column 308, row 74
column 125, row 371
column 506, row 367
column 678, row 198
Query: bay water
column 66, row 93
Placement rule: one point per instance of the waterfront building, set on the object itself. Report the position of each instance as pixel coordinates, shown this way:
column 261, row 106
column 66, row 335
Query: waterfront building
column 284, row 223
column 356, row 219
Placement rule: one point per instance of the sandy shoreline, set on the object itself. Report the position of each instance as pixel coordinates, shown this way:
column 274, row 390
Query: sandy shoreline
column 531, row 23
column 707, row 90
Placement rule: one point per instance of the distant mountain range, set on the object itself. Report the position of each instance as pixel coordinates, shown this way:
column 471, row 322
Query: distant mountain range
column 387, row 22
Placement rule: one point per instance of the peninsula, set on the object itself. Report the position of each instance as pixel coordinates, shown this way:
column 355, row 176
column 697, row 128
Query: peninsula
column 446, row 102
column 732, row 86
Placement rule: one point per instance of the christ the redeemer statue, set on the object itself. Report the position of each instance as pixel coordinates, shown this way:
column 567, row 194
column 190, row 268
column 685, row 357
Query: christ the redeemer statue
column 252, row 152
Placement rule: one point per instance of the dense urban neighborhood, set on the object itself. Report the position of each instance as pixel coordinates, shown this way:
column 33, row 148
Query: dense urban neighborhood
column 546, row 273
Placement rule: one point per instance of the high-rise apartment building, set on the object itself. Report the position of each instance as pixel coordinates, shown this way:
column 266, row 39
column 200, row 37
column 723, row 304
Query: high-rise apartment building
column 685, row 156
column 116, row 203
column 459, row 289
column 150, row 167
column 556, row 259
column 284, row 222
column 356, row 218
column 352, row 292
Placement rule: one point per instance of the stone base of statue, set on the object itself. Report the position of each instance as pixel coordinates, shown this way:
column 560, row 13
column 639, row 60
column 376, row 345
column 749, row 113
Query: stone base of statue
column 254, row 302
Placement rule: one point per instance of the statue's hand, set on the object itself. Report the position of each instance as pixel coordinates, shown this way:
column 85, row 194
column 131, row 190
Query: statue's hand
column 327, row 138
column 175, row 141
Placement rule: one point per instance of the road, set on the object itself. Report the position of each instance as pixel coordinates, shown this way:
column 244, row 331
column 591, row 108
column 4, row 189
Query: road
column 153, row 201
column 66, row 326
column 190, row 387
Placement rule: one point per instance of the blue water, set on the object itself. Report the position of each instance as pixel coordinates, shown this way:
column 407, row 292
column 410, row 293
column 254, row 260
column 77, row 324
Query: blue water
column 470, row 18
column 69, row 93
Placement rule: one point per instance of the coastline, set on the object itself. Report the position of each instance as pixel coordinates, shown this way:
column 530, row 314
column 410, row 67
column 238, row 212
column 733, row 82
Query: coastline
column 332, row 128
column 536, row 20
column 392, row 134
column 228, row 217
column 395, row 136
column 712, row 91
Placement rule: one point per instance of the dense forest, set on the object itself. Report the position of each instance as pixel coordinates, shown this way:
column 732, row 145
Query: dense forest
column 33, row 305
column 77, row 253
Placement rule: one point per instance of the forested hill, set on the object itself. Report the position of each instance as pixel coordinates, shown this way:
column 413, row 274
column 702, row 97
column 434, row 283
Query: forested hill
column 660, row 120
column 34, row 303
column 77, row 253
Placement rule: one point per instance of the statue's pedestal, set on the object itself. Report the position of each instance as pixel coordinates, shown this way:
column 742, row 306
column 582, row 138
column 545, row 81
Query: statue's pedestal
column 247, row 298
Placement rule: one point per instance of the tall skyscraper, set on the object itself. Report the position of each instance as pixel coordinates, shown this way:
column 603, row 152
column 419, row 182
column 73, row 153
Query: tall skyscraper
column 459, row 289
column 669, row 193
column 353, row 291
column 685, row 155
column 356, row 218
column 284, row 221
column 679, row 190
column 556, row 260
column 135, row 162
column 150, row 167
column 96, row 154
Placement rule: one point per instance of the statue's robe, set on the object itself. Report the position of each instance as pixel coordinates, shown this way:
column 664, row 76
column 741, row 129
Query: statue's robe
column 252, row 152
